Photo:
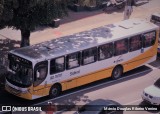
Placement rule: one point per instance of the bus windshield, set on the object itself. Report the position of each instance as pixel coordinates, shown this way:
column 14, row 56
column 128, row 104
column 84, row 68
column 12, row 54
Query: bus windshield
column 22, row 71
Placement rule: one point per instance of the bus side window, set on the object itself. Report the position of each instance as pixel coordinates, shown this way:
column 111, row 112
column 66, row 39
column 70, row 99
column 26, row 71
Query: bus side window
column 73, row 60
column 57, row 65
column 41, row 70
column 121, row 47
column 89, row 56
column 149, row 39
column 135, row 43
column 105, row 51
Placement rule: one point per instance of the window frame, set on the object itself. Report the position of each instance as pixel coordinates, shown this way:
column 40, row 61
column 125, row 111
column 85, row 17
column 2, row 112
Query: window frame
column 127, row 40
column 54, row 65
column 79, row 60
column 95, row 56
column 35, row 74
column 129, row 45
column 155, row 19
column 111, row 43
column 143, row 38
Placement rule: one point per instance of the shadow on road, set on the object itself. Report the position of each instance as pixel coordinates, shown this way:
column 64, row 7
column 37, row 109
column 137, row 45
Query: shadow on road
column 156, row 63
column 5, row 46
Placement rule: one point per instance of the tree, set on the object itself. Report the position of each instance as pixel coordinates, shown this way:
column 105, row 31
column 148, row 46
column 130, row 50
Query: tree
column 26, row 15
column 1, row 6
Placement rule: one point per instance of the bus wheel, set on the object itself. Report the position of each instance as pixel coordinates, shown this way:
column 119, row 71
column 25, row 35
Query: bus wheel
column 117, row 72
column 54, row 91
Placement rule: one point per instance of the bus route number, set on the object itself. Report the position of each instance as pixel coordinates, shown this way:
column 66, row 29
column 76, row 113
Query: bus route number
column 56, row 76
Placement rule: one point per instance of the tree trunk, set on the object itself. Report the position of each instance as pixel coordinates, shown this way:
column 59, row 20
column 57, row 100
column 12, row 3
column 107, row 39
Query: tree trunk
column 25, row 34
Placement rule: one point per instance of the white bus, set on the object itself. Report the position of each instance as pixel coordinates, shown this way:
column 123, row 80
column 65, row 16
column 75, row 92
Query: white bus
column 155, row 18
column 71, row 61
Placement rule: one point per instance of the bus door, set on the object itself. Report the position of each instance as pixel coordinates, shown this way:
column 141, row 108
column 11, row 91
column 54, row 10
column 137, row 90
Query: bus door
column 40, row 74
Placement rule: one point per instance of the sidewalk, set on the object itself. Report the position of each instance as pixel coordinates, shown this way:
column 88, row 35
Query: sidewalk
column 81, row 24
column 80, row 21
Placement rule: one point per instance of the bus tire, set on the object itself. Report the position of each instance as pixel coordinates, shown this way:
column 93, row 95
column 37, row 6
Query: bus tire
column 117, row 72
column 54, row 91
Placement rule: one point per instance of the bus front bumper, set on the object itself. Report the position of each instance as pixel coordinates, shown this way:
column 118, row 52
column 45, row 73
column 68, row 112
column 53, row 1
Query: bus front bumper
column 18, row 93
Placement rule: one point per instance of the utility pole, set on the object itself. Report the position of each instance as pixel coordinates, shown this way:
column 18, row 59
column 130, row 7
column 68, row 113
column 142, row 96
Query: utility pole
column 128, row 9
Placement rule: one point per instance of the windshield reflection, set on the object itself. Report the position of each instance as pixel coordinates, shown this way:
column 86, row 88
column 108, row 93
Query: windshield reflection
column 21, row 74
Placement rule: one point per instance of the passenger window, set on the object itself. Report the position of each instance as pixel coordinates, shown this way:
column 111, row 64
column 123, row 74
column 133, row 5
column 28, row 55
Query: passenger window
column 41, row 73
column 149, row 39
column 89, row 56
column 121, row 47
column 105, row 51
column 155, row 19
column 73, row 60
column 135, row 43
column 41, row 70
column 57, row 65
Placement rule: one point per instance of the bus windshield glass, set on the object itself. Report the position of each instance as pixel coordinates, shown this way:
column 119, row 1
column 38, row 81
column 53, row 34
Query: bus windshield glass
column 22, row 71
column 155, row 18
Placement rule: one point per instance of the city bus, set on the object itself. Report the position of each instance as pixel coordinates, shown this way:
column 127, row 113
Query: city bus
column 155, row 18
column 48, row 68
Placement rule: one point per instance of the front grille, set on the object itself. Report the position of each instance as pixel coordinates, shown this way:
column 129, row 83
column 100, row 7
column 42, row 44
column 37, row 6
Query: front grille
column 12, row 90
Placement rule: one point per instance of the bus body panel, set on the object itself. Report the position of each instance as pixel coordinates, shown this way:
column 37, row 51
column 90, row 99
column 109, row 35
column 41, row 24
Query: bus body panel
column 95, row 71
column 18, row 91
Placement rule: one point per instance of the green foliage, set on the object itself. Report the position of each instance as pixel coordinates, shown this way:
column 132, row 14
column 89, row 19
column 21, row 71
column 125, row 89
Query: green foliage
column 29, row 14
column 1, row 7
